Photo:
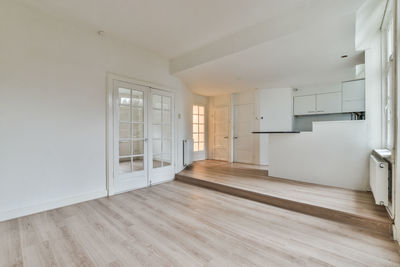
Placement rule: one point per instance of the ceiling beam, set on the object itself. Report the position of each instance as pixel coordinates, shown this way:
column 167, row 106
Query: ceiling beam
column 310, row 14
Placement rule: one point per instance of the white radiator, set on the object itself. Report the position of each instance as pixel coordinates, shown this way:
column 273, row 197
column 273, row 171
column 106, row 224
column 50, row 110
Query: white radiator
column 378, row 170
column 187, row 152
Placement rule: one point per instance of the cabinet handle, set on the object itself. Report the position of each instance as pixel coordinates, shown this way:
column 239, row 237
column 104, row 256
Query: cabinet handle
column 311, row 111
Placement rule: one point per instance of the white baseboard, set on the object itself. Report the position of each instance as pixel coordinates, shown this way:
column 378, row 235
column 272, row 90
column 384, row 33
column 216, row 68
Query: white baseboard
column 396, row 233
column 162, row 182
column 27, row 210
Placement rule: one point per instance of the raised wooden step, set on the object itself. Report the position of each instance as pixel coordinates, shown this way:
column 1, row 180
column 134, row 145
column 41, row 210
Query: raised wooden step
column 342, row 205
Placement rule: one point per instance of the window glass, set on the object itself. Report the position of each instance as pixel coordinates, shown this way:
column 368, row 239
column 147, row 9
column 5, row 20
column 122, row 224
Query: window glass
column 388, row 68
column 162, row 130
column 201, row 110
column 198, row 128
column 131, row 128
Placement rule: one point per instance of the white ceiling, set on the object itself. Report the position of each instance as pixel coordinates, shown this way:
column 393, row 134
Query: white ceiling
column 168, row 27
column 193, row 31
column 310, row 56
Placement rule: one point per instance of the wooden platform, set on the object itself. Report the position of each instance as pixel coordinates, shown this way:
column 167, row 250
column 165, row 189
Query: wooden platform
column 342, row 205
column 177, row 224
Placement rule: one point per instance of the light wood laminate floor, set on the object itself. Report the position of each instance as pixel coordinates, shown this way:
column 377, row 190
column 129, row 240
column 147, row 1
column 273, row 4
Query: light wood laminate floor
column 176, row 224
column 337, row 203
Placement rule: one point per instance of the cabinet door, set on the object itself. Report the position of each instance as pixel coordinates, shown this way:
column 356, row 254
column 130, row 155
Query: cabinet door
column 353, row 96
column 304, row 105
column 329, row 103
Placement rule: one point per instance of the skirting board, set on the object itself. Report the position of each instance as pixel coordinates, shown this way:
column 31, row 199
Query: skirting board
column 396, row 234
column 20, row 212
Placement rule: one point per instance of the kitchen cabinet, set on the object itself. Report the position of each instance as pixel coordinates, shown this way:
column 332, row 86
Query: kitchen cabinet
column 353, row 96
column 304, row 105
column 329, row 103
column 325, row 103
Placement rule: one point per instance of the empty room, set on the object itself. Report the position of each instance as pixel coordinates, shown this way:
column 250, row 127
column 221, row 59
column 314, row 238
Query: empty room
column 199, row 133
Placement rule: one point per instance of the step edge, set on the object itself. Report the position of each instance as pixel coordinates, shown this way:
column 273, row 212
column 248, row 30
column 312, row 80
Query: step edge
column 364, row 220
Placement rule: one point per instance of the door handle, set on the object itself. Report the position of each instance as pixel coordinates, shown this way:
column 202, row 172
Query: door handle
column 236, row 137
column 226, row 137
column 146, row 139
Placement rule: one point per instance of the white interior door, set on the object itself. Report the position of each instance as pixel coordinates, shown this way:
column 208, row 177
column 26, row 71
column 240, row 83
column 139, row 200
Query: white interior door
column 243, row 139
column 130, row 136
column 221, row 133
column 161, row 130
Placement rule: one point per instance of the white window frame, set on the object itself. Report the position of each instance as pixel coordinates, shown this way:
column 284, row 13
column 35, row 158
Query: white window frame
column 388, row 86
column 198, row 127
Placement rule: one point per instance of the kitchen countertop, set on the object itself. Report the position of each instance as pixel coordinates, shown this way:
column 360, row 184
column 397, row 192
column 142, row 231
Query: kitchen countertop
column 277, row 132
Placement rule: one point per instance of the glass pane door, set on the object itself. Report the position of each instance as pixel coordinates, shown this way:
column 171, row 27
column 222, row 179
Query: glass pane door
column 130, row 124
column 162, row 136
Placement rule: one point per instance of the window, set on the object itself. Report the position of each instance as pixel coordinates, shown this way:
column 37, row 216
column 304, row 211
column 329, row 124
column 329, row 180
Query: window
column 388, row 81
column 198, row 128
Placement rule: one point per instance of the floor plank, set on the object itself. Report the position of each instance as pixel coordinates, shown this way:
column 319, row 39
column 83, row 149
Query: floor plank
column 329, row 202
column 176, row 224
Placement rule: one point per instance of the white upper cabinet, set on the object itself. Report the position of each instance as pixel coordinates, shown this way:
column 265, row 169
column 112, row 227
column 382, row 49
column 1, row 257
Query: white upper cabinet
column 304, row 105
column 353, row 96
column 329, row 103
column 349, row 98
column 318, row 104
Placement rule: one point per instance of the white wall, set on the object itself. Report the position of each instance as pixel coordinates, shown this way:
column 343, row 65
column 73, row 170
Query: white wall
column 373, row 93
column 53, row 107
column 276, row 110
column 368, row 21
column 334, row 154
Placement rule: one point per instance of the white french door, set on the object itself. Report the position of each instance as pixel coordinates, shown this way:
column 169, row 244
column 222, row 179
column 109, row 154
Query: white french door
column 161, row 128
column 130, row 136
column 143, row 131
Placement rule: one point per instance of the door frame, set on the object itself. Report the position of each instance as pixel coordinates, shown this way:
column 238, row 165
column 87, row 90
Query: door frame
column 110, row 78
